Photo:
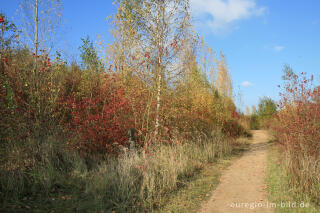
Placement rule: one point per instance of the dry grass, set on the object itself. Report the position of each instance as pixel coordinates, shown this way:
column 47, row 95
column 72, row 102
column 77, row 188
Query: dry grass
column 49, row 177
column 281, row 189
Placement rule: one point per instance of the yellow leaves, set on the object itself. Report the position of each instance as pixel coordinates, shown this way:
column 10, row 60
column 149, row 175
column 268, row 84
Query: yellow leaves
column 224, row 83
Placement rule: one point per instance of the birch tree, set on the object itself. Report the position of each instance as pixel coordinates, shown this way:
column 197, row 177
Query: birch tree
column 41, row 20
column 155, row 28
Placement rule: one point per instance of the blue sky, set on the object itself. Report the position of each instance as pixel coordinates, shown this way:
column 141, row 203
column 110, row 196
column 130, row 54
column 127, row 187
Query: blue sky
column 257, row 36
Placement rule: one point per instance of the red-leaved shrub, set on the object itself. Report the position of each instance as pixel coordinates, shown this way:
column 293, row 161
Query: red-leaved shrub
column 298, row 129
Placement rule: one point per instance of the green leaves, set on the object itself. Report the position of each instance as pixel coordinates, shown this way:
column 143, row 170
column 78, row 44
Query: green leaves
column 89, row 56
column 266, row 107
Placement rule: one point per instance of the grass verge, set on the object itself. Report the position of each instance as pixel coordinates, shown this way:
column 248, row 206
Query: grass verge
column 287, row 199
column 199, row 189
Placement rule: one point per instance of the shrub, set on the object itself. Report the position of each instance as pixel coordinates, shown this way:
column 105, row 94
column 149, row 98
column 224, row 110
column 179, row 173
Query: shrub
column 101, row 121
column 298, row 130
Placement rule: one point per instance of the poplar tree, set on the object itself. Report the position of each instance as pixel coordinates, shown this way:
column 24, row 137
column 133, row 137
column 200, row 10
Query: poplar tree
column 224, row 82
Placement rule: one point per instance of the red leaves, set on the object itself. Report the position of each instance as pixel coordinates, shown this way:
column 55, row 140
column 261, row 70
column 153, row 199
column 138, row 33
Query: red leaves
column 298, row 124
column 46, row 64
column 1, row 19
column 174, row 44
column 235, row 115
column 167, row 52
column 232, row 128
column 99, row 121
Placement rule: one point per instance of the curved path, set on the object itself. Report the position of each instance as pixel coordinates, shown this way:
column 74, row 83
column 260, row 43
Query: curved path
column 242, row 187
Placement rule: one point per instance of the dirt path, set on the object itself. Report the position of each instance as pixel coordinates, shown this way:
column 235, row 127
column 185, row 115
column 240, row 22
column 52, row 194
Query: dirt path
column 242, row 186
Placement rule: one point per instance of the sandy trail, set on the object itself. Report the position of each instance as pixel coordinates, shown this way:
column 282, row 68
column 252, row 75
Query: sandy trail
column 242, row 187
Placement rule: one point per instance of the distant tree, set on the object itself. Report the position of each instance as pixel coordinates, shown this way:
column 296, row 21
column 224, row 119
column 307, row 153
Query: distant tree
column 253, row 116
column 254, row 122
column 266, row 109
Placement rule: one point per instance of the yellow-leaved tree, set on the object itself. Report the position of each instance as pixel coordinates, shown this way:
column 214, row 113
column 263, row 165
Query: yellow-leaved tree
column 224, row 83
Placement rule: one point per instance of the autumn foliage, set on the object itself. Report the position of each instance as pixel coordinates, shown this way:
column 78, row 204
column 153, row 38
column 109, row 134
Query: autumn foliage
column 65, row 125
column 298, row 130
column 101, row 121
column 96, row 109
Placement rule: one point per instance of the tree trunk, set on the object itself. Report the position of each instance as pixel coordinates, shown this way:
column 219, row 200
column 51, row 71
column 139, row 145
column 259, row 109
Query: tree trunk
column 36, row 20
column 159, row 67
column 158, row 101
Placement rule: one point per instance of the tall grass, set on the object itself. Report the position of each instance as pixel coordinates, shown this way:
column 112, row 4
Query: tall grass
column 135, row 181
column 279, row 189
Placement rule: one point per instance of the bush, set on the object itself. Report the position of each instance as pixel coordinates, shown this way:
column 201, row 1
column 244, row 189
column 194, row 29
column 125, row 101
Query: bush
column 298, row 130
column 233, row 129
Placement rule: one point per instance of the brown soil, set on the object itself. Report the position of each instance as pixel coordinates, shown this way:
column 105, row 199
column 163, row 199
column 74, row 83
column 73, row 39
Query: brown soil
column 242, row 186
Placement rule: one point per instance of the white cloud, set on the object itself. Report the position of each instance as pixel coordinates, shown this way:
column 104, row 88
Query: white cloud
column 246, row 84
column 221, row 14
column 278, row 48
